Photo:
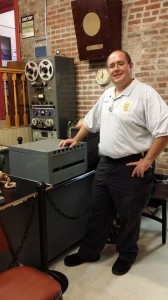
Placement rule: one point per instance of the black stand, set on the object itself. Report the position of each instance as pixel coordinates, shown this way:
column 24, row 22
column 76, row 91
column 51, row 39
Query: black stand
column 61, row 278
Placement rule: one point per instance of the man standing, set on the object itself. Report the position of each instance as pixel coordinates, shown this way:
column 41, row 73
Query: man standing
column 132, row 120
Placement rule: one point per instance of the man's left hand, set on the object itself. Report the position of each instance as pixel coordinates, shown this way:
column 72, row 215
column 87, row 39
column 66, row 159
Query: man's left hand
column 140, row 167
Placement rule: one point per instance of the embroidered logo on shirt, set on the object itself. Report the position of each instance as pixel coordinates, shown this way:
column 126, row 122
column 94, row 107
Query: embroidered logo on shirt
column 126, row 106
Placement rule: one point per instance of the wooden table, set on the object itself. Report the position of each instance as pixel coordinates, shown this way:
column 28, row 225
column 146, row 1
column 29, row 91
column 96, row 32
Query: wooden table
column 25, row 189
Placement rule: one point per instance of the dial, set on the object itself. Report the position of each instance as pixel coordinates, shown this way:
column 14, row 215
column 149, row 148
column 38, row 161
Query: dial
column 102, row 76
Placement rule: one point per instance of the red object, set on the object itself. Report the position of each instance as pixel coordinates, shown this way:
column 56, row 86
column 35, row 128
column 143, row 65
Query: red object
column 2, row 102
column 25, row 282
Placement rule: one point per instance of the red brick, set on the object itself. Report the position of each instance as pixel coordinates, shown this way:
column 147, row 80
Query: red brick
column 144, row 36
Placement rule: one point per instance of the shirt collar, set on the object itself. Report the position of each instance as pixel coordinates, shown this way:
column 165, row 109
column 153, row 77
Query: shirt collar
column 128, row 90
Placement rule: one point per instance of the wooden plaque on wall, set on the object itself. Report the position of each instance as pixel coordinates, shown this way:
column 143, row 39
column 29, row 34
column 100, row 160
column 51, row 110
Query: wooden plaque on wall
column 97, row 27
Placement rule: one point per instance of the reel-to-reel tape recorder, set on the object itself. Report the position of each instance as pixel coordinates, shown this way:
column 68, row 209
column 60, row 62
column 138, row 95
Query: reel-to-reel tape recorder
column 52, row 95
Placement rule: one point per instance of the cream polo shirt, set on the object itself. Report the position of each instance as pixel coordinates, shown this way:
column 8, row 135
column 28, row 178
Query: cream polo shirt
column 129, row 122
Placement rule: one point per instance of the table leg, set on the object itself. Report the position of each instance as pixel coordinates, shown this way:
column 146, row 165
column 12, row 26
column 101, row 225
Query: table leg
column 164, row 221
column 60, row 277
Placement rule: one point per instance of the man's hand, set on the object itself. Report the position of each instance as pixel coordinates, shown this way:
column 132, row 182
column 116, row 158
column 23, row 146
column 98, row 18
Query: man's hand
column 140, row 167
column 83, row 131
column 145, row 163
column 71, row 142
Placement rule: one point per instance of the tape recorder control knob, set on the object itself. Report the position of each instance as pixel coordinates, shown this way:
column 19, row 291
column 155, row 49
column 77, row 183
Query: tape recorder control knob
column 49, row 123
column 34, row 122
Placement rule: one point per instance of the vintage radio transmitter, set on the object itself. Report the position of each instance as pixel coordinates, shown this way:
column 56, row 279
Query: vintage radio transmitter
column 52, row 95
column 46, row 161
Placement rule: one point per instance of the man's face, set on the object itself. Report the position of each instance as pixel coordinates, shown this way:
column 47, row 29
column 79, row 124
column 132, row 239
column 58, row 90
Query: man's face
column 120, row 71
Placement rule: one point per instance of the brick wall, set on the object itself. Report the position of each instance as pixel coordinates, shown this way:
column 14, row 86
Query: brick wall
column 144, row 36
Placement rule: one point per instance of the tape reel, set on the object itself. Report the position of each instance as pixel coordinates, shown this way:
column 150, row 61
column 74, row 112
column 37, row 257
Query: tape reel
column 46, row 69
column 31, row 71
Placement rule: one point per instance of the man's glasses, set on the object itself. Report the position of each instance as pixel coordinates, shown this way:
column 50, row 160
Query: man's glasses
column 119, row 64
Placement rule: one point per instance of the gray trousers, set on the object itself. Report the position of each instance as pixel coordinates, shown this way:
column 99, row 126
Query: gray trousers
column 115, row 192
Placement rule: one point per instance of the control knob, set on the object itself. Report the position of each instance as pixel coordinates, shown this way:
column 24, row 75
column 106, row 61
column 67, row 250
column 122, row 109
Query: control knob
column 34, row 121
column 35, row 112
column 49, row 123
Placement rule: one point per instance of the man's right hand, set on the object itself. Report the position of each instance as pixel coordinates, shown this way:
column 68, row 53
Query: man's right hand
column 83, row 131
column 71, row 142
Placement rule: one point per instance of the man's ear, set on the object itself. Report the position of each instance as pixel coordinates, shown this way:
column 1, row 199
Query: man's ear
column 131, row 66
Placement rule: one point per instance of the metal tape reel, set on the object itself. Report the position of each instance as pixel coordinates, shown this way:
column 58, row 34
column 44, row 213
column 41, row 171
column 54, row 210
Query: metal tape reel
column 46, row 69
column 31, row 71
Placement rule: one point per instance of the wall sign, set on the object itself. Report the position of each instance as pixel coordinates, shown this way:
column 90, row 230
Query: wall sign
column 27, row 25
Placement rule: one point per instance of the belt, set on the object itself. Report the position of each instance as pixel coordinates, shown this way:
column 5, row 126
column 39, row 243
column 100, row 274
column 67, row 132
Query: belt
column 125, row 159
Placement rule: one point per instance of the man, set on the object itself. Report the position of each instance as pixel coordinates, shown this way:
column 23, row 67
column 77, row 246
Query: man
column 133, row 122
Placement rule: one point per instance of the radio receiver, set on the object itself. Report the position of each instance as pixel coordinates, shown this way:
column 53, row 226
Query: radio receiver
column 52, row 95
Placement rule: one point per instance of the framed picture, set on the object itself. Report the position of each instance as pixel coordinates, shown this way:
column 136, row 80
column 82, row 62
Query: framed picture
column 5, row 43
column 27, row 25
